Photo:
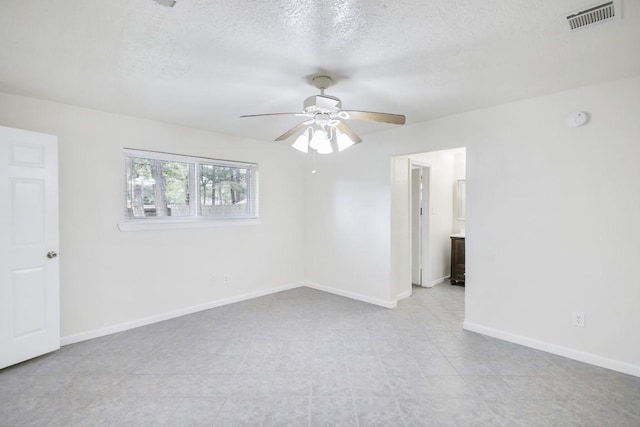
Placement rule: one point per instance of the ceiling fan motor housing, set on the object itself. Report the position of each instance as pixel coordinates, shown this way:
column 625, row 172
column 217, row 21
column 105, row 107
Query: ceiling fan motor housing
column 322, row 104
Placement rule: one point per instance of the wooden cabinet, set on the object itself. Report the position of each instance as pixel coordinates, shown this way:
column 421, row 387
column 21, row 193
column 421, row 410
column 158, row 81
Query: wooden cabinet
column 457, row 260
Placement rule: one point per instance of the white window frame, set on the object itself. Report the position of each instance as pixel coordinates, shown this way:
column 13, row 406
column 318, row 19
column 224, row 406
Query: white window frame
column 196, row 220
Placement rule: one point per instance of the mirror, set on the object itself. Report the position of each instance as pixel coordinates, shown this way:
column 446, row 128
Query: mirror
column 461, row 200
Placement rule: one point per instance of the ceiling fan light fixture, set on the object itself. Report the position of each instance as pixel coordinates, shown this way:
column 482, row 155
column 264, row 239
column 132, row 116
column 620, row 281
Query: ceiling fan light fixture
column 302, row 142
column 324, row 130
column 320, row 142
column 343, row 141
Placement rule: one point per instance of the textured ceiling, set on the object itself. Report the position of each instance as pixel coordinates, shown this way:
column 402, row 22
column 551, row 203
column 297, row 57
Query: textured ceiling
column 203, row 63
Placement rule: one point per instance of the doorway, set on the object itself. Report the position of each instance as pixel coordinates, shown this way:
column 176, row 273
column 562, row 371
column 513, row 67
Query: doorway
column 421, row 244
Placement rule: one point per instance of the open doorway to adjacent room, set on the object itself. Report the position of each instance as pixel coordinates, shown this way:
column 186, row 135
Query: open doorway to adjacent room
column 428, row 219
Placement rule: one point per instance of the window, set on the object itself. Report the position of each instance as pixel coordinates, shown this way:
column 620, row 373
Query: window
column 165, row 187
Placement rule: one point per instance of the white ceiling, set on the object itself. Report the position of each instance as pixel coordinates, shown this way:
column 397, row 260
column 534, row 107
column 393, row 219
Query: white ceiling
column 203, row 63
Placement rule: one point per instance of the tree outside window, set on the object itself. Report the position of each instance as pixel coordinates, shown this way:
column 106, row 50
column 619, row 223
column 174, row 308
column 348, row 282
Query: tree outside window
column 166, row 187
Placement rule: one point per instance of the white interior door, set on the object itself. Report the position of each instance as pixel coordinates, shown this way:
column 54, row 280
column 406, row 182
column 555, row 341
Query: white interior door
column 425, row 234
column 29, row 267
column 416, row 226
column 420, row 175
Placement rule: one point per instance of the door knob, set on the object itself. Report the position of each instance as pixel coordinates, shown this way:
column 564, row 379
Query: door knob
column 52, row 254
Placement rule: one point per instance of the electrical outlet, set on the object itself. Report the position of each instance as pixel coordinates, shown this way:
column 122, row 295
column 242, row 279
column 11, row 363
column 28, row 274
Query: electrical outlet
column 577, row 318
column 225, row 278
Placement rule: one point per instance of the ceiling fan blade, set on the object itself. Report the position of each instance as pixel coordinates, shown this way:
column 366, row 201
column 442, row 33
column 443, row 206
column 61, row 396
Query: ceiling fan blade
column 276, row 114
column 347, row 131
column 296, row 129
column 396, row 119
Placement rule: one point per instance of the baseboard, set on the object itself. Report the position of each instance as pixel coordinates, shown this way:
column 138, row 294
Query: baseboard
column 438, row 281
column 83, row 336
column 403, row 295
column 96, row 333
column 593, row 359
column 352, row 295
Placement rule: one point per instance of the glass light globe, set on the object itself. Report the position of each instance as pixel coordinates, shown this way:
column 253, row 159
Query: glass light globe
column 320, row 142
column 344, row 142
column 302, row 143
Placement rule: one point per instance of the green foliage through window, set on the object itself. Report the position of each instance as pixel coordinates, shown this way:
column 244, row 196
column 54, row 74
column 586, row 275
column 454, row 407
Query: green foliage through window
column 162, row 185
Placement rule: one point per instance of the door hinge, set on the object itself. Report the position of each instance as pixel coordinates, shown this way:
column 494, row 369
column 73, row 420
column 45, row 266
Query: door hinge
column 420, row 211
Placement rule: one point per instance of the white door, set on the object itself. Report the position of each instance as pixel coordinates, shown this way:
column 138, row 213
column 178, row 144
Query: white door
column 29, row 266
column 420, row 208
column 425, row 236
column 416, row 226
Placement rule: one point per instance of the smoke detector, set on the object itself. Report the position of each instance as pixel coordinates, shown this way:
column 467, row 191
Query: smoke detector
column 166, row 3
column 586, row 18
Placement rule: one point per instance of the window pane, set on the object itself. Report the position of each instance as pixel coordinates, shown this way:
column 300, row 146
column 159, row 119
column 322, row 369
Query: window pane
column 157, row 188
column 223, row 191
column 175, row 186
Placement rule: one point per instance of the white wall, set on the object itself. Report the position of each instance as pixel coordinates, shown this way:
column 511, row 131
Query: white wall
column 552, row 222
column 348, row 215
column 551, row 219
column 108, row 277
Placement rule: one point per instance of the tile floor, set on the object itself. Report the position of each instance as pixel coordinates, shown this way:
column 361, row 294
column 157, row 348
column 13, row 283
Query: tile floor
column 307, row 358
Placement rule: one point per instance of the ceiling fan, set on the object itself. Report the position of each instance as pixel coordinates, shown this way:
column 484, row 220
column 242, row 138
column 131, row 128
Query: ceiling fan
column 324, row 130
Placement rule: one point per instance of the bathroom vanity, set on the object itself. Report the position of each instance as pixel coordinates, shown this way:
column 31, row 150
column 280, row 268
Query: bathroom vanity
column 457, row 259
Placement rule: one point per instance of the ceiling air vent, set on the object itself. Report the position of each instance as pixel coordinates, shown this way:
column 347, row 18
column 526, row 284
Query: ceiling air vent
column 609, row 11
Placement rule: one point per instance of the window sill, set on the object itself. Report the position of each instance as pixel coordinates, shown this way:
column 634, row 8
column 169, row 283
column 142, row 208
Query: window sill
column 154, row 224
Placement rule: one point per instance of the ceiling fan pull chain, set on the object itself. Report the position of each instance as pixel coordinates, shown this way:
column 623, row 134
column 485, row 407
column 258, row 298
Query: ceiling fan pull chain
column 313, row 161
